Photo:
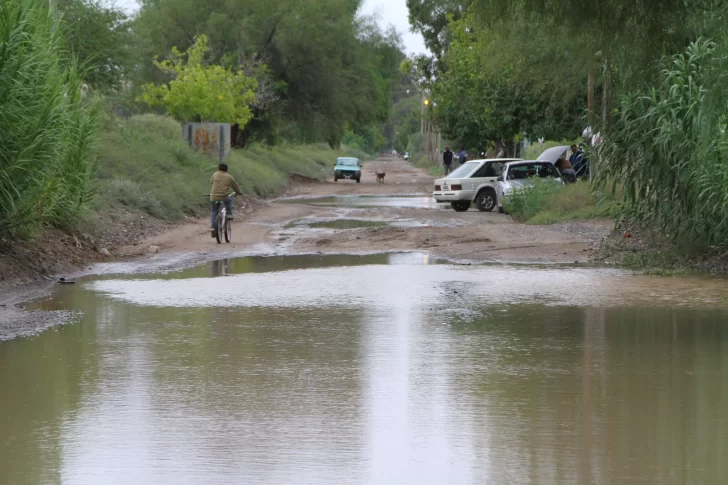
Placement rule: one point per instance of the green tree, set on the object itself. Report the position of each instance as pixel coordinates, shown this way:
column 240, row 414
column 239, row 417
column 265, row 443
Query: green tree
column 432, row 19
column 325, row 67
column 200, row 92
column 485, row 97
column 100, row 38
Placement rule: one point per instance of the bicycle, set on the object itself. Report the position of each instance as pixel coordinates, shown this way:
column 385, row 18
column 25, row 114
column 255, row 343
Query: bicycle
column 224, row 229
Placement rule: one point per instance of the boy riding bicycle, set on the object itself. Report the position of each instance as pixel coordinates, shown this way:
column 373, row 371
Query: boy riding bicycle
column 222, row 183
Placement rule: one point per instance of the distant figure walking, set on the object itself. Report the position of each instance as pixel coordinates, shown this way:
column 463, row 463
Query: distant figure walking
column 462, row 156
column 447, row 158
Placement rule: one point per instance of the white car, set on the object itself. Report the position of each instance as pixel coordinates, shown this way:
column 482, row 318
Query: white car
column 472, row 182
column 487, row 183
column 517, row 175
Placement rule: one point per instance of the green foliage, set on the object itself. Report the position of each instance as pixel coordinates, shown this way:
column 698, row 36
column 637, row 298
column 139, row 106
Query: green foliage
column 609, row 27
column 406, row 121
column 669, row 147
column 146, row 165
column 201, row 92
column 526, row 202
column 48, row 130
column 576, row 202
column 99, row 36
column 479, row 101
column 549, row 203
column 325, row 68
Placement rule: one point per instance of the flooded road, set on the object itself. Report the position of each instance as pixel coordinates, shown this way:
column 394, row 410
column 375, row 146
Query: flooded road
column 405, row 201
column 382, row 369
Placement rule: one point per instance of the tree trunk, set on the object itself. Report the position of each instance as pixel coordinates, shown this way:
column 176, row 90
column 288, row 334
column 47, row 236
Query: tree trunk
column 422, row 114
column 606, row 96
column 591, row 102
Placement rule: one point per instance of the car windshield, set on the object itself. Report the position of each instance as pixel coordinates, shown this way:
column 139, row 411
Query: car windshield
column 528, row 170
column 348, row 162
column 463, row 171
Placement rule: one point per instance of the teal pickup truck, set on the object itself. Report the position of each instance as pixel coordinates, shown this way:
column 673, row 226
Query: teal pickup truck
column 347, row 168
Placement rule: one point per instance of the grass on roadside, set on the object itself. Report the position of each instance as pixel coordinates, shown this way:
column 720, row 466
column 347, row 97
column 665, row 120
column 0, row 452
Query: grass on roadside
column 144, row 164
column 434, row 170
column 546, row 203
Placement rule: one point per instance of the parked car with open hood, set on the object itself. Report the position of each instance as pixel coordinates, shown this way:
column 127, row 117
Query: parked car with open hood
column 472, row 182
column 486, row 183
column 517, row 175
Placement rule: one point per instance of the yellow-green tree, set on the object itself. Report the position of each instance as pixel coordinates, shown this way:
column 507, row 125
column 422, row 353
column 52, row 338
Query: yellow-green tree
column 200, row 92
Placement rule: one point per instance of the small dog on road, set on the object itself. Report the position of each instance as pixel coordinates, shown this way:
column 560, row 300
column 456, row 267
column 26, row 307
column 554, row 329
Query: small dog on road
column 380, row 177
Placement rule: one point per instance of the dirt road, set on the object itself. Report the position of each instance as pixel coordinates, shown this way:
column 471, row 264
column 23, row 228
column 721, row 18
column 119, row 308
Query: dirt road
column 334, row 217
column 406, row 223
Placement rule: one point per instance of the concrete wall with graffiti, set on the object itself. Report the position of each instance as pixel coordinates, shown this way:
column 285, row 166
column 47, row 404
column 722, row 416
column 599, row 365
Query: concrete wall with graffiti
column 211, row 138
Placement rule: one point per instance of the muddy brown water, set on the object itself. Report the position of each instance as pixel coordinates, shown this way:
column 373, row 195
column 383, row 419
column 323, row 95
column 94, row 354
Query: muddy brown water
column 339, row 224
column 363, row 201
column 381, row 369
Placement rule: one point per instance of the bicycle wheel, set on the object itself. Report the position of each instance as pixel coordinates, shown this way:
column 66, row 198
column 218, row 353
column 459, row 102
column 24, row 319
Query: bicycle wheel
column 218, row 233
column 228, row 231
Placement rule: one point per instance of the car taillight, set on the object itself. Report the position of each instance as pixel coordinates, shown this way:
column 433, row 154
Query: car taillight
column 438, row 187
column 456, row 187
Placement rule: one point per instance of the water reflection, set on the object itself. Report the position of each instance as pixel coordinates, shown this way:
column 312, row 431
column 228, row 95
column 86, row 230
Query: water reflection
column 411, row 374
column 412, row 202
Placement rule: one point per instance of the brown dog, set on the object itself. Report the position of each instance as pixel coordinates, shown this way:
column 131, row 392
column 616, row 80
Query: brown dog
column 380, row 177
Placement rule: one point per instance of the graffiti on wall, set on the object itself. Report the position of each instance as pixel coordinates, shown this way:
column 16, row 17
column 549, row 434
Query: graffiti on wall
column 211, row 138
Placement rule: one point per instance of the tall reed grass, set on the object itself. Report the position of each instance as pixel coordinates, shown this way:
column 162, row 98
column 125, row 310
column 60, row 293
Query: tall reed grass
column 46, row 129
column 669, row 148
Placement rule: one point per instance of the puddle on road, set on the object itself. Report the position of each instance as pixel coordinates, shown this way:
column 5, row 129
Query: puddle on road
column 412, row 202
column 329, row 369
column 337, row 224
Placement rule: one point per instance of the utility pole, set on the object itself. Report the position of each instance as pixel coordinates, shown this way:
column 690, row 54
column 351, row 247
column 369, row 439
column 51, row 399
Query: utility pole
column 422, row 114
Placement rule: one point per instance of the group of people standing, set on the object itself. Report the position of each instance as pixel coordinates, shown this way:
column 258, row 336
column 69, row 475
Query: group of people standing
column 448, row 158
column 573, row 168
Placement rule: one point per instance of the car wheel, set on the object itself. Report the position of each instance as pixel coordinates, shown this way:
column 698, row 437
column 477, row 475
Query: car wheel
column 486, row 200
column 336, row 179
column 358, row 180
column 460, row 205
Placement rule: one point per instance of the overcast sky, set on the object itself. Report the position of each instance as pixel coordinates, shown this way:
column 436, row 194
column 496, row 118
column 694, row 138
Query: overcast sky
column 389, row 12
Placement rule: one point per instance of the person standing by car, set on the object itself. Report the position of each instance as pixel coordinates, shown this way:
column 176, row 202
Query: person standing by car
column 576, row 158
column 567, row 171
column 447, row 158
column 222, row 184
column 462, row 156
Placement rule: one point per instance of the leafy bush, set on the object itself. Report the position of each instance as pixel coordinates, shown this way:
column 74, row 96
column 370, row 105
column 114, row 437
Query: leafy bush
column 548, row 203
column 526, row 202
column 47, row 131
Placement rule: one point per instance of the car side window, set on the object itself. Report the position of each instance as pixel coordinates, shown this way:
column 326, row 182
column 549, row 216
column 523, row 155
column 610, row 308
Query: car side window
column 518, row 172
column 483, row 171
column 548, row 170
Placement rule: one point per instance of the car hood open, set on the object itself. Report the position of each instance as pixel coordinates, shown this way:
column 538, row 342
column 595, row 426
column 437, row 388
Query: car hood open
column 552, row 154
